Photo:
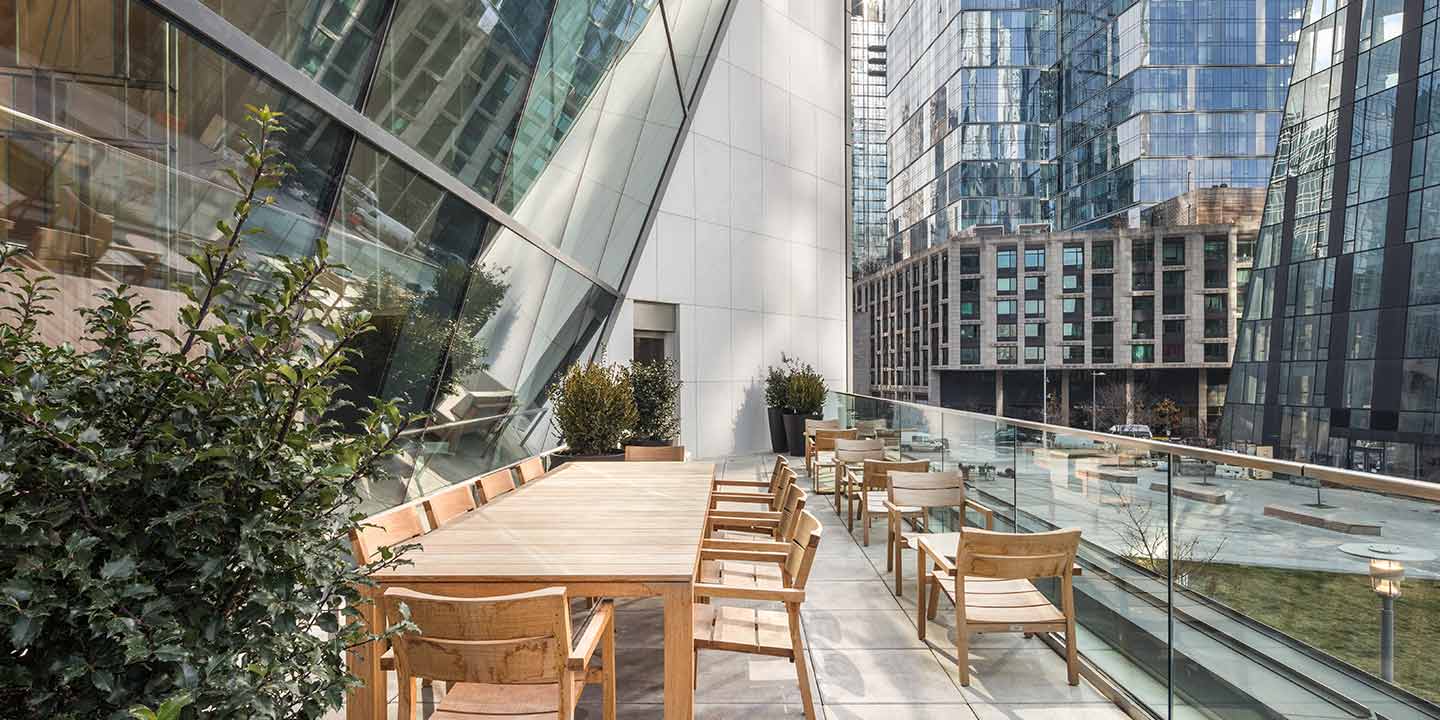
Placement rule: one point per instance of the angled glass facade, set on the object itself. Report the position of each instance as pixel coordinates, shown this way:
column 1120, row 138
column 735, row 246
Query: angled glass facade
column 869, row 244
column 484, row 168
column 1338, row 348
column 1038, row 114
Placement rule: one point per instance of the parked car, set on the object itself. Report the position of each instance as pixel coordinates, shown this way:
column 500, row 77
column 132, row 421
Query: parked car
column 1135, row 431
column 923, row 442
column 1229, row 471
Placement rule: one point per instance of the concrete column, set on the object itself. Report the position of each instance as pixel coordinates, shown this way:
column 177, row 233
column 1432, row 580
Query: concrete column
column 1000, row 393
column 1202, row 413
column 1129, row 397
column 1064, row 418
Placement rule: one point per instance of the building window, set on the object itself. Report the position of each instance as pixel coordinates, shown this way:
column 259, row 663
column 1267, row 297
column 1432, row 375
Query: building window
column 1174, row 251
column 1070, row 283
column 1005, row 331
column 1102, row 255
column 1142, row 353
column 1034, row 308
column 1072, row 331
column 969, row 309
column 1072, row 306
column 1217, row 352
column 1173, row 301
column 1072, row 354
column 1142, row 311
column 1102, row 354
column 1005, row 307
column 969, row 356
column 1214, row 304
column 1034, row 354
column 1005, row 259
column 1142, row 265
column 1103, row 306
column 1173, row 340
column 1034, row 331
column 1005, row 285
column 1074, row 256
column 1035, row 284
column 1216, row 328
column 1034, row 258
column 970, row 262
column 1005, row 354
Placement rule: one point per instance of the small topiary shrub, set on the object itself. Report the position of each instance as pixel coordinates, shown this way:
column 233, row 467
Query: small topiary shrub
column 594, row 408
column 777, row 387
column 657, row 400
column 805, row 391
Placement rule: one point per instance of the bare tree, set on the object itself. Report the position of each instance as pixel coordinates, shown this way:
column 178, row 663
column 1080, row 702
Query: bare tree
column 1110, row 406
column 1146, row 541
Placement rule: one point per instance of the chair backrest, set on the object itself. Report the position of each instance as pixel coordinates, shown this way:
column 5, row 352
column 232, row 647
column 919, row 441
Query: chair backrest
column 657, row 453
column 778, row 475
column 795, row 497
column 510, row 639
column 825, row 438
column 812, row 424
column 877, row 472
column 1016, row 556
column 927, row 489
column 448, row 504
column 386, row 529
column 495, row 484
column 531, row 469
column 857, row 450
column 801, row 555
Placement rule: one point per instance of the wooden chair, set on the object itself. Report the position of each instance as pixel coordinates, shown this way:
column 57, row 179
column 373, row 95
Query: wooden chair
column 495, row 484
column 772, row 501
column 504, row 656
column 746, row 525
column 657, row 453
column 821, row 450
column 755, row 631
column 911, row 495
column 990, row 584
column 811, row 426
column 450, row 504
column 869, row 490
column 851, row 452
column 531, row 470
column 385, row 530
column 770, row 485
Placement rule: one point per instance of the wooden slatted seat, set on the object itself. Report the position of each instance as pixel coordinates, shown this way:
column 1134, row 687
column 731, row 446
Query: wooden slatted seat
column 654, row 453
column 990, row 585
column 868, row 491
column 504, row 657
column 494, row 485
column 742, row 525
column 850, row 454
column 447, row 505
column 755, row 630
column 910, row 496
column 772, row 501
column 531, row 470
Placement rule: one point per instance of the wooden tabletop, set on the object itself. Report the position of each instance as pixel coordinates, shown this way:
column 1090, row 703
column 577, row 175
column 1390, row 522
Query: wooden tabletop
column 596, row 522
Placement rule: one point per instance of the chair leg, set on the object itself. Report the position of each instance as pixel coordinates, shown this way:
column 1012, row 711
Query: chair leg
column 934, row 599
column 890, row 544
column 962, row 645
column 899, row 563
column 405, row 700
column 865, row 518
column 695, row 663
column 801, row 672
column 1072, row 658
column 920, row 612
column 607, row 656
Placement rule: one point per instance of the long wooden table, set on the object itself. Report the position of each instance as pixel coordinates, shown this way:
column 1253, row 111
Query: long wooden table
column 606, row 529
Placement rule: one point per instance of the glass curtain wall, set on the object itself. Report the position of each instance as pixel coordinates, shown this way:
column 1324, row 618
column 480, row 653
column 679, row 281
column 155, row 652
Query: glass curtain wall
column 117, row 124
column 869, row 248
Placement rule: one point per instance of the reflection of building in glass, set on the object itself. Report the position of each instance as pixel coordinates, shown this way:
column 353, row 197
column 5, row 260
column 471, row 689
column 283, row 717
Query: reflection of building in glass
column 1078, row 115
column 994, row 322
column 459, row 124
column 868, row 237
column 1338, row 349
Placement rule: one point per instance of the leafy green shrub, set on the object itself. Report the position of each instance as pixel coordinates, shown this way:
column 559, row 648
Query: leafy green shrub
column 594, row 408
column 656, row 385
column 805, row 391
column 777, row 387
column 174, row 503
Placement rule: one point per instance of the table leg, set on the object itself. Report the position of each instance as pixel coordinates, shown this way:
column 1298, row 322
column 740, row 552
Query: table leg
column 920, row 593
column 679, row 652
column 366, row 702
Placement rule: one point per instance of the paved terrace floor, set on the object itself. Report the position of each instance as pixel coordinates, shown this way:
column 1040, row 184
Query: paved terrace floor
column 866, row 661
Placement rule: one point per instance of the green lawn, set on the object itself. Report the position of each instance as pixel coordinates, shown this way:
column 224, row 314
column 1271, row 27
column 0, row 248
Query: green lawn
column 1339, row 614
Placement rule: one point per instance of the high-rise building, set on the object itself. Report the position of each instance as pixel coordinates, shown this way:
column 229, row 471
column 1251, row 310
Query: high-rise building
column 1338, row 349
column 869, row 240
column 1041, row 115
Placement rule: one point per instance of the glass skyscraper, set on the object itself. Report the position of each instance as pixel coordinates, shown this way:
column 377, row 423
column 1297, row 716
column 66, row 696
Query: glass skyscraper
column 1025, row 114
column 485, row 168
column 868, row 166
column 1338, row 349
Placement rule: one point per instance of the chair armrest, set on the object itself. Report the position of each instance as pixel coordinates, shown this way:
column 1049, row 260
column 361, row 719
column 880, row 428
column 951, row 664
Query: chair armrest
column 743, row 555
column 760, row 498
column 745, row 515
column 786, row 595
column 590, row 637
column 943, row 563
column 751, row 545
column 891, row 507
column 985, row 512
column 742, row 483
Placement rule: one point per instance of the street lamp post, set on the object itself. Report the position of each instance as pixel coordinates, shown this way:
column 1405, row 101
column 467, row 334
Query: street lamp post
column 1387, row 569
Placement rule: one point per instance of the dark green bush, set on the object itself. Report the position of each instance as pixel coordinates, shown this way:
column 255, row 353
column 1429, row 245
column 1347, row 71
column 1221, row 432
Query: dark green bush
column 656, row 385
column 594, row 408
column 173, row 503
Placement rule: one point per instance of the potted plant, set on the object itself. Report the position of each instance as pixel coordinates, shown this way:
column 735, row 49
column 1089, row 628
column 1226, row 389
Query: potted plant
column 776, row 387
column 656, row 386
column 804, row 398
column 594, row 410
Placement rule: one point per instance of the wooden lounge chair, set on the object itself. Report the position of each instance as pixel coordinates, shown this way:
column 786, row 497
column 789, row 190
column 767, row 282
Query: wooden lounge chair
column 911, row 496
column 770, row 485
column 820, row 452
column 867, row 490
column 503, row 657
column 772, row 500
column 811, row 426
column 990, row 584
column 747, row 525
column 657, row 453
column 851, row 454
column 755, row 631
